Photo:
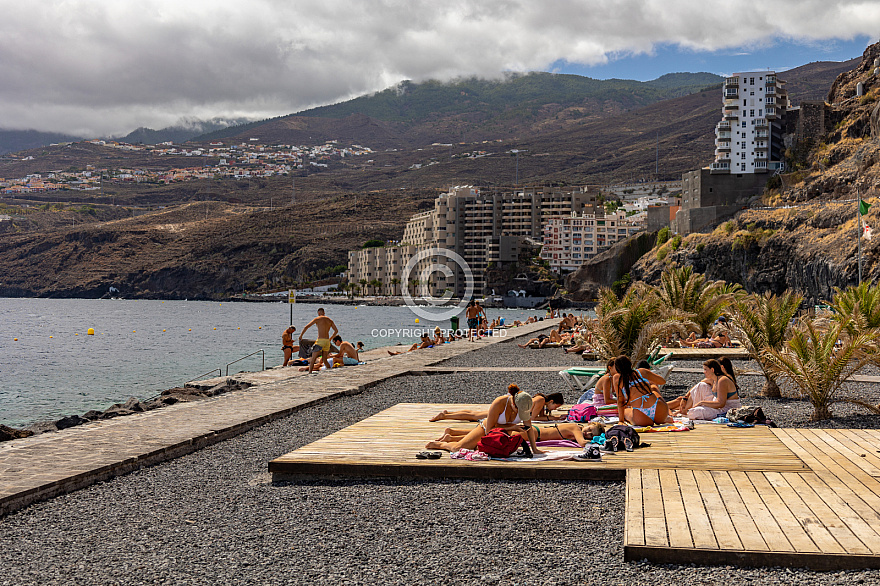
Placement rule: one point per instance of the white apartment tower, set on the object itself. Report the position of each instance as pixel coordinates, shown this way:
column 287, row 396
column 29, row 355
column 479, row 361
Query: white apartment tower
column 749, row 137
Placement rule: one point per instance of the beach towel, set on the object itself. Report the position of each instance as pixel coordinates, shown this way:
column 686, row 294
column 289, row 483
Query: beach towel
column 558, row 444
column 661, row 428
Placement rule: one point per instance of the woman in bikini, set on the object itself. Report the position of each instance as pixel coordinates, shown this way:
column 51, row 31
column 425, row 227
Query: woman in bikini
column 703, row 391
column 506, row 412
column 638, row 394
column 542, row 410
column 725, row 389
column 580, row 433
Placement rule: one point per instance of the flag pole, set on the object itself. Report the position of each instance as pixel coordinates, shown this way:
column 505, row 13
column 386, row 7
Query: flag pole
column 859, row 218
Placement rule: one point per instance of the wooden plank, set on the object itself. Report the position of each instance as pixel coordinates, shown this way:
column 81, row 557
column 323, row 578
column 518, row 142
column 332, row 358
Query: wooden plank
column 725, row 534
column 634, row 529
column 814, row 527
column 676, row 519
column 652, row 503
column 743, row 522
column 797, row 536
column 844, row 447
column 700, row 527
column 862, row 444
column 774, row 537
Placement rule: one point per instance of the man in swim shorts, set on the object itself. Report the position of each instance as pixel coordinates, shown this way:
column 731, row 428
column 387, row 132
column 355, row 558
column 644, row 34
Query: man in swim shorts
column 322, row 345
column 348, row 354
column 287, row 344
column 472, row 313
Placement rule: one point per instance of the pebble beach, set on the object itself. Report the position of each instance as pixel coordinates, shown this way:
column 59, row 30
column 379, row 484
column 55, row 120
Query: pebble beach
column 214, row 516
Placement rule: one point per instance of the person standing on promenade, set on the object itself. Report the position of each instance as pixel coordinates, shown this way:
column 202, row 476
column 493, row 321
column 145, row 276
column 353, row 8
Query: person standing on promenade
column 287, row 344
column 322, row 345
column 472, row 313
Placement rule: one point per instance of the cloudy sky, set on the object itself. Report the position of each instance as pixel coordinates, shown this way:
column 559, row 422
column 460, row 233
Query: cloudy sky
column 102, row 67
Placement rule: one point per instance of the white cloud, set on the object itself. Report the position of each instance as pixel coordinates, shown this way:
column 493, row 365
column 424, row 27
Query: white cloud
column 108, row 66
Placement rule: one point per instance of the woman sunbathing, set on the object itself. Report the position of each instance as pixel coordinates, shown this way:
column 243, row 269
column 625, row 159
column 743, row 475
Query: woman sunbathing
column 505, row 412
column 638, row 395
column 702, row 391
column 580, row 433
column 542, row 410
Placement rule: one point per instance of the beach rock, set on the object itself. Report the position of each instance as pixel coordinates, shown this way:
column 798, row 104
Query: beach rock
column 92, row 415
column 41, row 427
column 170, row 400
column 152, row 404
column 132, row 405
column 70, row 421
column 10, row 433
column 115, row 412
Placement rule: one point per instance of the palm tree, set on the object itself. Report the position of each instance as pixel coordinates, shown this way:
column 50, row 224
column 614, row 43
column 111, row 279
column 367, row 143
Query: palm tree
column 632, row 325
column 857, row 307
column 761, row 323
column 690, row 292
column 394, row 283
column 363, row 283
column 414, row 284
column 378, row 286
column 819, row 358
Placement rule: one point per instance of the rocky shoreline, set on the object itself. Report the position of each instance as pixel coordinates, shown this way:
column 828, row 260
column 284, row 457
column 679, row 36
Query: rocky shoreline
column 131, row 406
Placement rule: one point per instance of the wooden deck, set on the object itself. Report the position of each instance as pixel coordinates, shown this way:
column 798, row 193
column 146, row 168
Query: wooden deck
column 386, row 444
column 695, row 353
column 825, row 518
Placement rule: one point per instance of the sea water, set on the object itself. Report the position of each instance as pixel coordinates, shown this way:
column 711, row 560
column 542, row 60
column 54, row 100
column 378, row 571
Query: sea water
column 50, row 367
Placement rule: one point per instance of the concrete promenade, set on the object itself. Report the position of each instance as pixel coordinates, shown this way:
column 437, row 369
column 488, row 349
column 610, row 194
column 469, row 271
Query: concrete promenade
column 50, row 464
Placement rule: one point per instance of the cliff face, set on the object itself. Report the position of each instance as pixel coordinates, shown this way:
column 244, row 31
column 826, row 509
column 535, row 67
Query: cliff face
column 811, row 248
column 607, row 267
column 804, row 235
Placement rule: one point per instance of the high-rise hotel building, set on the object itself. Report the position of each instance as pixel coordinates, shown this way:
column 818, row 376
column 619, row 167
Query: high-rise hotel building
column 749, row 137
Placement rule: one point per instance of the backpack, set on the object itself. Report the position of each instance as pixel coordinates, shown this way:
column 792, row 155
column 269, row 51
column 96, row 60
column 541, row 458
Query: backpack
column 582, row 412
column 498, row 443
column 623, row 431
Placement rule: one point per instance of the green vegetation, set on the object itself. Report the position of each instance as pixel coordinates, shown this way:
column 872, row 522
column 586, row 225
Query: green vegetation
column 662, row 237
column 620, row 286
column 676, row 242
column 691, row 293
column 751, row 235
column 662, row 253
column 700, row 247
column 375, row 243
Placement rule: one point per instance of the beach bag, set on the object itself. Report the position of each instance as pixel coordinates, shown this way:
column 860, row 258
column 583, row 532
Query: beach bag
column 498, row 443
column 582, row 412
column 623, row 431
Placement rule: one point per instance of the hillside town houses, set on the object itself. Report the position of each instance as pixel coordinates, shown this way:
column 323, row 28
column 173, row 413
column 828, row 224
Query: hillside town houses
column 243, row 160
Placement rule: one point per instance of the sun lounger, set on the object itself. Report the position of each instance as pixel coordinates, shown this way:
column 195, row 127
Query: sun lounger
column 581, row 379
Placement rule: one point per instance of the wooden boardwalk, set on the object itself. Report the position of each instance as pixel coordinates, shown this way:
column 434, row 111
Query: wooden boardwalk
column 695, row 353
column 386, row 444
column 826, row 518
column 713, row 495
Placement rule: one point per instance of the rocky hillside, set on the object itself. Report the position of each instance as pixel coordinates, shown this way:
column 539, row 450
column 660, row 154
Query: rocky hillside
column 206, row 250
column 804, row 233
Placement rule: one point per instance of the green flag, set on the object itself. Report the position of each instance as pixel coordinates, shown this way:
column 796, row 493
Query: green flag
column 863, row 207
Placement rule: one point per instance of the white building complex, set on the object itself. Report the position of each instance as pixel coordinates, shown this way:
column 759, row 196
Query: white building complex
column 571, row 240
column 749, row 137
column 481, row 227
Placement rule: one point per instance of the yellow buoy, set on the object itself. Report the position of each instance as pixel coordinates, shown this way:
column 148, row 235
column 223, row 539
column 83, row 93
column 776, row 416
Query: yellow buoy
column 134, row 331
column 215, row 328
column 15, row 339
column 417, row 320
column 50, row 336
column 76, row 334
column 90, row 331
column 163, row 330
column 261, row 327
column 239, row 328
column 190, row 329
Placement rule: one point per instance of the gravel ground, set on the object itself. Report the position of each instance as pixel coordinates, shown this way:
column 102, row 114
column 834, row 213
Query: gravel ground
column 213, row 517
column 507, row 353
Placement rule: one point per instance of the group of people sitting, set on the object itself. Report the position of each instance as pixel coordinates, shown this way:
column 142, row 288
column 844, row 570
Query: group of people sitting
column 636, row 391
column 328, row 348
column 570, row 334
